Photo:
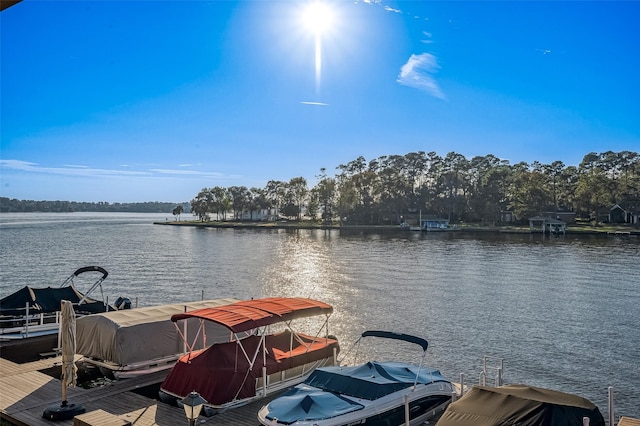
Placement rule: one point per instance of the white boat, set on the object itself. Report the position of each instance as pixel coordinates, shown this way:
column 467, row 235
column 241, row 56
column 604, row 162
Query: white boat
column 374, row 393
column 266, row 354
column 35, row 312
column 127, row 344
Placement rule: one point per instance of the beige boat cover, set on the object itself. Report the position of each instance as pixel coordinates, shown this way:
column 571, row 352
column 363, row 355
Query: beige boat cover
column 519, row 405
column 137, row 335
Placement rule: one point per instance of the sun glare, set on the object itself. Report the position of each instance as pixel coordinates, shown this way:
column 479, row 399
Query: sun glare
column 317, row 17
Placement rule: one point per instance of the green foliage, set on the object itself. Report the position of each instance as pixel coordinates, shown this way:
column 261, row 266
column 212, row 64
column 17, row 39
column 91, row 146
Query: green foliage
column 13, row 205
column 381, row 191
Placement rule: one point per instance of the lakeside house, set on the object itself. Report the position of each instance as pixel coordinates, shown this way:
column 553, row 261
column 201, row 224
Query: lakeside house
column 566, row 216
column 562, row 215
column 507, row 216
column 619, row 214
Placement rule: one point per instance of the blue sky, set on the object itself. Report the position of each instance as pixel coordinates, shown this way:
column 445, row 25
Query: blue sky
column 123, row 101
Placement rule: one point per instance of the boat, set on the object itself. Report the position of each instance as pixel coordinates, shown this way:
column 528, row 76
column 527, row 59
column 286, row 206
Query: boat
column 34, row 312
column 265, row 354
column 518, row 404
column 30, row 317
column 131, row 343
column 373, row 393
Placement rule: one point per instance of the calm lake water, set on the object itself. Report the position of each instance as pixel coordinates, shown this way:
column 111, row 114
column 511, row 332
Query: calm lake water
column 563, row 312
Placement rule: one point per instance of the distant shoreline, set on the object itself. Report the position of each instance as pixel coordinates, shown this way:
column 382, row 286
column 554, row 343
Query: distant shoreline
column 607, row 230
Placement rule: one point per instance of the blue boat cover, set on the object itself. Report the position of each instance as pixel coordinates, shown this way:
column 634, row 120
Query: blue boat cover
column 372, row 380
column 303, row 403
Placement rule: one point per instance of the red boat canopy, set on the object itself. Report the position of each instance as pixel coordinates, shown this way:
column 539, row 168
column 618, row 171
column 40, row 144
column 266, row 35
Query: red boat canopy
column 250, row 314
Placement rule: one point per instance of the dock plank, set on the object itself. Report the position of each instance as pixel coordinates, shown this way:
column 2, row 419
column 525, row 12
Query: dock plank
column 99, row 418
column 628, row 421
column 26, row 392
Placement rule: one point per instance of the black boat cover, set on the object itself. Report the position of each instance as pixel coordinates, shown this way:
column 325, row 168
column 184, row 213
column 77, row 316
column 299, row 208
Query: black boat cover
column 519, row 405
column 45, row 300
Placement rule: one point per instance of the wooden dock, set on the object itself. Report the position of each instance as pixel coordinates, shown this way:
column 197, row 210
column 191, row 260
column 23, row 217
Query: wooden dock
column 628, row 421
column 26, row 392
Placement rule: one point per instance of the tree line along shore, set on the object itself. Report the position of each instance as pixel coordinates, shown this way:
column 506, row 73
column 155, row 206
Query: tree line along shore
column 484, row 189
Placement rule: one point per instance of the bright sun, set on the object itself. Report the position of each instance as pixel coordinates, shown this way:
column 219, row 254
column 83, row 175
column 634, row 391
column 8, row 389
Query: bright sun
column 317, row 17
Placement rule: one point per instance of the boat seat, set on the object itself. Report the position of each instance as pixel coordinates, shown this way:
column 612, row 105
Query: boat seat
column 301, row 349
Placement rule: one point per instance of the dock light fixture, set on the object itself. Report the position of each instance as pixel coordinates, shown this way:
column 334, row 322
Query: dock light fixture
column 192, row 404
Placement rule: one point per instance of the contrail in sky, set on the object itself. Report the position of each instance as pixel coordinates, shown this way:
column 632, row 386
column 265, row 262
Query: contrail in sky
column 314, row 103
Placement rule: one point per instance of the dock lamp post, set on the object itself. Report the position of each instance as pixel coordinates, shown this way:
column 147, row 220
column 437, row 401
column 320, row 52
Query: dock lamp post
column 192, row 404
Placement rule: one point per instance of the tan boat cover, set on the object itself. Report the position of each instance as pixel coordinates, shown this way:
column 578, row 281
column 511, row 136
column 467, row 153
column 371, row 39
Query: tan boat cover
column 519, row 405
column 137, row 335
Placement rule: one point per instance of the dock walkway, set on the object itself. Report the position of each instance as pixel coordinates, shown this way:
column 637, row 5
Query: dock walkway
column 26, row 392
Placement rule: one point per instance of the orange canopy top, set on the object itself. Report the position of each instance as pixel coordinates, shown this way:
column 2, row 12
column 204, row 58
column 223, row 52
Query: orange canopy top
column 249, row 314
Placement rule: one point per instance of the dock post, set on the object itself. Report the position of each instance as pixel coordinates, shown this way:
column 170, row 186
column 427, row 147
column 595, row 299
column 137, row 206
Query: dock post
column 407, row 419
column 483, row 376
column 611, row 407
column 264, row 381
column 461, row 385
column 184, row 331
column 26, row 324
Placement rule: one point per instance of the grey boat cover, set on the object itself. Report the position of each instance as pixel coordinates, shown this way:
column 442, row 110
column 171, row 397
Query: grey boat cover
column 519, row 405
column 143, row 334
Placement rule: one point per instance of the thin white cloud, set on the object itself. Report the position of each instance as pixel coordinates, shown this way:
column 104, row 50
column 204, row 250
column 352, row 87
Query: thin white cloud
column 27, row 166
column 428, row 36
column 76, row 166
column 390, row 9
column 313, row 103
column 187, row 173
column 84, row 171
column 418, row 73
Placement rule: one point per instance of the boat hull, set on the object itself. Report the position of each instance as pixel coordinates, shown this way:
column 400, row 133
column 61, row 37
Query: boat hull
column 374, row 393
column 423, row 404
